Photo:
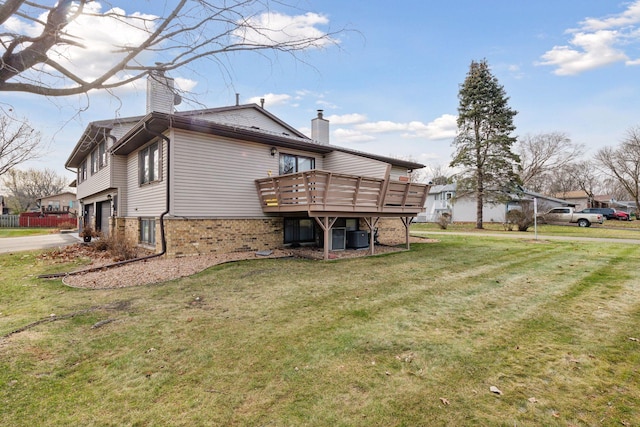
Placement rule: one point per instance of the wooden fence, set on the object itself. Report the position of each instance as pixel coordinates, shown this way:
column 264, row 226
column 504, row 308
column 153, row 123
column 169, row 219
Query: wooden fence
column 35, row 221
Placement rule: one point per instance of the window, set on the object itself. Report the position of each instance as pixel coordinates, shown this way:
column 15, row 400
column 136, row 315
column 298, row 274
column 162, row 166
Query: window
column 94, row 162
column 148, row 231
column 149, row 163
column 82, row 172
column 290, row 163
column 102, row 154
column 299, row 230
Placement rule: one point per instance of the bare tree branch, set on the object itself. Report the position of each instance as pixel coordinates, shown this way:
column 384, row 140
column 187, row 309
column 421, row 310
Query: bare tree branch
column 542, row 154
column 19, row 143
column 623, row 163
column 45, row 55
column 26, row 187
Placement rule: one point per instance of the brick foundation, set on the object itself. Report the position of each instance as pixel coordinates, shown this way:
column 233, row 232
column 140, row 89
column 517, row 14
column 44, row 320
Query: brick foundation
column 188, row 236
column 204, row 236
column 391, row 231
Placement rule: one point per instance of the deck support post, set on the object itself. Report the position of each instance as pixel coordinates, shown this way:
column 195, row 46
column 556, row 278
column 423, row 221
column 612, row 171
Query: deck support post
column 407, row 223
column 371, row 223
column 326, row 223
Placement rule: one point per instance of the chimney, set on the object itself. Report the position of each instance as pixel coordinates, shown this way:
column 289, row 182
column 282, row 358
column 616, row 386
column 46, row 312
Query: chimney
column 320, row 129
column 161, row 96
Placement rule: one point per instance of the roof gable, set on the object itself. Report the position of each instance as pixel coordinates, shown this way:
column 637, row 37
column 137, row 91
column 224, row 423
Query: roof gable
column 248, row 115
column 238, row 122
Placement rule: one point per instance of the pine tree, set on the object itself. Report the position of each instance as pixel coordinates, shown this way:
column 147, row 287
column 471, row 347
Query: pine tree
column 483, row 143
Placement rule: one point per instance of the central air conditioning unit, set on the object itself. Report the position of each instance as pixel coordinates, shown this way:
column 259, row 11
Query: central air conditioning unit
column 338, row 241
column 357, row 239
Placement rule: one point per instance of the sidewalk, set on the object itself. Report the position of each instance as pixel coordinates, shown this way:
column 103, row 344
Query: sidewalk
column 45, row 241
column 527, row 236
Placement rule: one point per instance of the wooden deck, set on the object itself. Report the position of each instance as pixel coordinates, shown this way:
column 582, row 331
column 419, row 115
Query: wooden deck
column 322, row 193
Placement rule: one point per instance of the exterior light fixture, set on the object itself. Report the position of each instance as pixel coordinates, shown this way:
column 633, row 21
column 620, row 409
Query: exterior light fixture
column 274, row 150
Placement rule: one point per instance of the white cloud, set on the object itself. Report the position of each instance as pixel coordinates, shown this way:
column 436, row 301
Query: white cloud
column 185, row 85
column 443, row 127
column 596, row 43
column 101, row 35
column 346, row 119
column 628, row 17
column 271, row 99
column 350, row 135
column 592, row 50
column 272, row 28
column 382, row 127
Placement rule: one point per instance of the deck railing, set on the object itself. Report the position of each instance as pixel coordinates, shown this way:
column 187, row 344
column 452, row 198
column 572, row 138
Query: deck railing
column 322, row 191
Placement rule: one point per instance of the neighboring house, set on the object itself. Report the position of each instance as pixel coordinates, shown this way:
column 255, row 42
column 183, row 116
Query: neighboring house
column 235, row 179
column 627, row 206
column 580, row 200
column 4, row 209
column 62, row 203
column 442, row 199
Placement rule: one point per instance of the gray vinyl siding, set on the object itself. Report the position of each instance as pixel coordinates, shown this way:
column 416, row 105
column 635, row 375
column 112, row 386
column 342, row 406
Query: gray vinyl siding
column 144, row 200
column 119, row 167
column 338, row 161
column 214, row 176
column 119, row 181
column 397, row 172
column 105, row 178
column 118, row 130
column 244, row 117
column 95, row 183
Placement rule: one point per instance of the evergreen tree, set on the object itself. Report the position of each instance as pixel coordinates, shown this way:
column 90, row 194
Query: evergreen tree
column 483, row 143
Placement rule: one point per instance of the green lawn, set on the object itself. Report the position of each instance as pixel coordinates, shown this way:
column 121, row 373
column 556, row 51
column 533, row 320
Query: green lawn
column 408, row 339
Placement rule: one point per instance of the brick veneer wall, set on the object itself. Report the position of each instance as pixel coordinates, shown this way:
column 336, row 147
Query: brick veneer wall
column 203, row 236
column 390, row 231
column 188, row 236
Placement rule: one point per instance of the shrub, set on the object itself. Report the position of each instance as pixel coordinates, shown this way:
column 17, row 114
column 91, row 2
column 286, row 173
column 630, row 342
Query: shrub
column 443, row 220
column 67, row 225
column 119, row 248
column 523, row 219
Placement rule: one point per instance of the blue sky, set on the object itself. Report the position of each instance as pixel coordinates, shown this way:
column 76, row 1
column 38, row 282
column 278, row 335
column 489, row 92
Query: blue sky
column 390, row 84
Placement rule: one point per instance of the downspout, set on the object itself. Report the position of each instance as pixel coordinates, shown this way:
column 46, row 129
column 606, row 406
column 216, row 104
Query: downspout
column 162, row 235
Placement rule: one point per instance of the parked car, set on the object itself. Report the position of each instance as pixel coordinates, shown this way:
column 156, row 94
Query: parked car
column 622, row 215
column 566, row 215
column 608, row 213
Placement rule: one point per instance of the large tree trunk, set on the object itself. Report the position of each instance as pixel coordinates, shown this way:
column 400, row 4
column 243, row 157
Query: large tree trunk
column 479, row 199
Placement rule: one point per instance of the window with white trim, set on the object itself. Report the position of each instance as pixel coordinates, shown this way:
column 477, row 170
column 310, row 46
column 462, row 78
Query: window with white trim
column 94, row 161
column 149, row 163
column 82, row 172
column 102, row 154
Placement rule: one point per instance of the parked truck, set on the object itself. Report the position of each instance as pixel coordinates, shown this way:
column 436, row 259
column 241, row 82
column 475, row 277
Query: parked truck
column 564, row 215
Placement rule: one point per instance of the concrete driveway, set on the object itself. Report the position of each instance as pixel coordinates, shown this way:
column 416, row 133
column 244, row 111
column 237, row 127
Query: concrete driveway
column 29, row 243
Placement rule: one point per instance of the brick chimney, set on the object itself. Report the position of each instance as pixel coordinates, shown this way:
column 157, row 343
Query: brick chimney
column 161, row 96
column 320, row 129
